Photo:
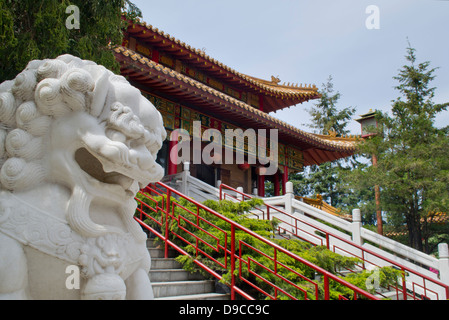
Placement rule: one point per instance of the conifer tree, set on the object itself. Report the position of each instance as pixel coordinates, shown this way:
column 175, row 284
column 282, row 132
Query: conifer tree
column 31, row 29
column 324, row 179
column 413, row 156
column 325, row 114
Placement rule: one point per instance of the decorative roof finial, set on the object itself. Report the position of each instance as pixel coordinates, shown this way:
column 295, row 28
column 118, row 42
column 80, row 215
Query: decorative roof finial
column 275, row 80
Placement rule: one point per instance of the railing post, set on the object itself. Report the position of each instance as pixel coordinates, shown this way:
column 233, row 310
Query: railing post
column 443, row 253
column 255, row 192
column 404, row 286
column 288, row 197
column 167, row 214
column 326, row 287
column 141, row 211
column 186, row 166
column 232, row 262
column 173, row 153
column 240, row 195
column 184, row 178
column 356, row 227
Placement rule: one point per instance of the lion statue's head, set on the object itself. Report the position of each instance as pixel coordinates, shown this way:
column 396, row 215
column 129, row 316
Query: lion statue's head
column 73, row 123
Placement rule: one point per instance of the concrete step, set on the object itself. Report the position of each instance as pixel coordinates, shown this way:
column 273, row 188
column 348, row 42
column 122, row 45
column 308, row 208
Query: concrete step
column 171, row 282
column 166, row 275
column 392, row 295
column 201, row 296
column 162, row 263
column 182, row 288
column 159, row 253
column 282, row 236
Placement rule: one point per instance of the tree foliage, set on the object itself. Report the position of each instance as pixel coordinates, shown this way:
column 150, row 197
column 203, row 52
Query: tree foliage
column 200, row 236
column 326, row 116
column 32, row 29
column 324, row 179
column 413, row 155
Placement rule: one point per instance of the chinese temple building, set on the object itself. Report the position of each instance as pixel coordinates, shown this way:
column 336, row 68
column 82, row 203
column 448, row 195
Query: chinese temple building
column 186, row 85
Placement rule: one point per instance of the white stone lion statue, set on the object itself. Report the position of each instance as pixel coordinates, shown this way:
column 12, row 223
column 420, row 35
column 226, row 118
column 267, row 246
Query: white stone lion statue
column 77, row 142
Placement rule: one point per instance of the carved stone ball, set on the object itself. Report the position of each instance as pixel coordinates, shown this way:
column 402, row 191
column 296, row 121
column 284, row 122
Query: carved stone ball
column 105, row 286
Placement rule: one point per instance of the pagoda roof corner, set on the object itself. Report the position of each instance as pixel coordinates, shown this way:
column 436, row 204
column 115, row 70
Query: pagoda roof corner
column 317, row 148
column 276, row 96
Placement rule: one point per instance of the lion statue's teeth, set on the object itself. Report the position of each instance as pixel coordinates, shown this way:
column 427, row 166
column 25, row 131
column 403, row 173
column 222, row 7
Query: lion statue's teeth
column 117, row 178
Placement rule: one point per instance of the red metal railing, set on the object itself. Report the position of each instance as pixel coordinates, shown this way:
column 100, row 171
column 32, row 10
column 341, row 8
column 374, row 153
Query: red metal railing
column 365, row 255
column 236, row 252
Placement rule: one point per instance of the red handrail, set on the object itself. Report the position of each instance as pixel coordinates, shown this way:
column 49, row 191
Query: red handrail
column 232, row 248
column 364, row 252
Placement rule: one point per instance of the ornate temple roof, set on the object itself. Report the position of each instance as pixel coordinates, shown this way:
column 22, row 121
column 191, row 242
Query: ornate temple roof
column 146, row 73
column 276, row 96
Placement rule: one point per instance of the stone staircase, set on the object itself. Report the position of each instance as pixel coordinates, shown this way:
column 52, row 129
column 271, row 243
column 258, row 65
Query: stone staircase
column 171, row 282
column 318, row 227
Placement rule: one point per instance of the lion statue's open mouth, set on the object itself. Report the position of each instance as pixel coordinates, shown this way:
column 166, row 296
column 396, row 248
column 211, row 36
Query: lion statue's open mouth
column 114, row 180
column 72, row 127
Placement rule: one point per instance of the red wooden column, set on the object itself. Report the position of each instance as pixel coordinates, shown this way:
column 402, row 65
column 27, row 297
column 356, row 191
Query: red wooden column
column 261, row 185
column 277, row 186
column 173, row 154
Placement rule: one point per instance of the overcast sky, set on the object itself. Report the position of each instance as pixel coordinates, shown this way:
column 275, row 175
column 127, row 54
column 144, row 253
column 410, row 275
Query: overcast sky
column 306, row 41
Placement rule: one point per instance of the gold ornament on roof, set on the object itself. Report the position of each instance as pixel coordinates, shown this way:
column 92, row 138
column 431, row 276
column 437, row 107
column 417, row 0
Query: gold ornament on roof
column 332, row 133
column 275, row 80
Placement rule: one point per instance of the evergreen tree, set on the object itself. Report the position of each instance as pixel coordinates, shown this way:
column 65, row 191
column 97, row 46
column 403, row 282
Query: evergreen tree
column 31, row 29
column 325, row 114
column 324, row 178
column 413, row 156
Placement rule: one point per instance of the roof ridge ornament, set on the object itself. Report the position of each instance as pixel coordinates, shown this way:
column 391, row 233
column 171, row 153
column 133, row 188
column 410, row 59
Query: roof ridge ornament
column 275, row 80
column 332, row 133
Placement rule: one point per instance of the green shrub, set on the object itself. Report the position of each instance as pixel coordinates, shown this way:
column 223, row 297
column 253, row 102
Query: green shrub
column 204, row 236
